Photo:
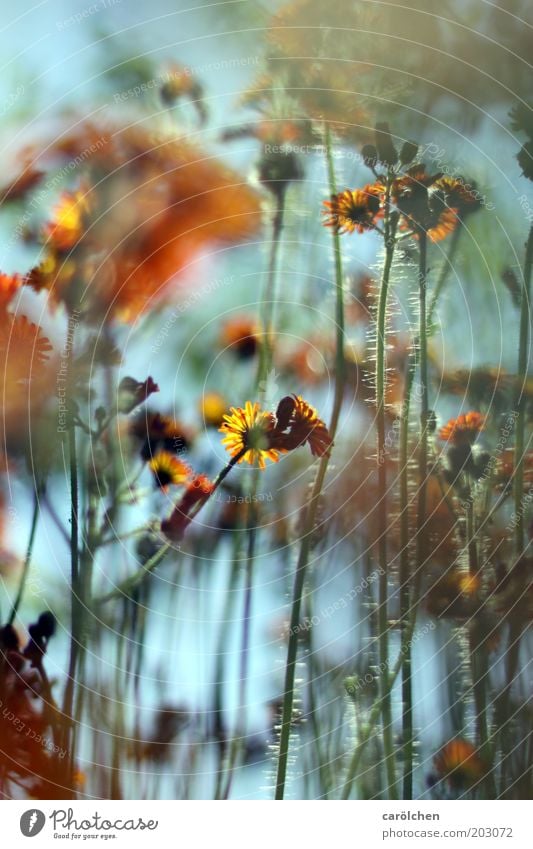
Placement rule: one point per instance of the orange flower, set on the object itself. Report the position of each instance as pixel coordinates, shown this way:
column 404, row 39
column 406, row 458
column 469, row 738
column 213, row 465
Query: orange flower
column 464, row 429
column 241, row 335
column 459, row 763
column 212, row 408
column 353, row 210
column 425, row 203
column 9, row 286
column 248, row 434
column 23, row 348
column 168, row 470
column 157, row 204
column 158, row 432
column 69, row 221
column 454, row 595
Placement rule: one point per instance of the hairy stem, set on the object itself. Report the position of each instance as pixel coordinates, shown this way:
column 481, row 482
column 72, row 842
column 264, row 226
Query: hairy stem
column 383, row 585
column 310, row 514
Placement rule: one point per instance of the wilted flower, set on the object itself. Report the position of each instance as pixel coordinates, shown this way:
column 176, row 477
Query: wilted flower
column 298, row 423
column 255, row 435
column 131, row 393
column 158, row 432
column 178, row 83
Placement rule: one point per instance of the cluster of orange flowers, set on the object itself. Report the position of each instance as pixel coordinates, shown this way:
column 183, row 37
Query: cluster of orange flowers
column 156, row 201
column 429, row 203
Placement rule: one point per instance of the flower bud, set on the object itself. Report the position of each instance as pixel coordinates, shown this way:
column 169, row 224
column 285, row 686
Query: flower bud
column 408, row 152
column 387, row 153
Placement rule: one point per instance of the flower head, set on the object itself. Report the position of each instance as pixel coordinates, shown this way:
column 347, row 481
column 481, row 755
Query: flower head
column 241, row 336
column 249, row 434
column 168, row 470
column 9, row 285
column 302, row 424
column 179, row 83
column 459, row 763
column 353, row 210
column 464, row 429
column 69, row 221
column 425, row 203
column 159, row 432
column 212, row 408
column 156, row 205
column 132, row 392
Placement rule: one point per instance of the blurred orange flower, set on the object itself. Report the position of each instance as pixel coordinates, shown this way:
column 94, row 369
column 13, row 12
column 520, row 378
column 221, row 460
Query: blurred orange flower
column 459, row 763
column 464, row 429
column 156, row 205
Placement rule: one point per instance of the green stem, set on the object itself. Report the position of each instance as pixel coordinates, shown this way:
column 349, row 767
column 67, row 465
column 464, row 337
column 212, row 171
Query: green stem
column 478, row 655
column 408, row 595
column 68, row 697
column 311, row 512
column 134, row 580
column 269, row 294
column 444, row 273
column 405, row 585
column 516, row 626
column 421, row 532
column 375, row 713
column 265, row 363
column 523, row 353
column 381, row 389
column 27, row 559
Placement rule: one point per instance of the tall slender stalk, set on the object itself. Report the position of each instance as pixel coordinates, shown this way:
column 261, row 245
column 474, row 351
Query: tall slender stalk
column 27, row 559
column 68, row 697
column 311, row 511
column 421, row 531
column 523, row 355
column 407, row 593
column 405, row 585
column 444, row 273
column 265, row 363
column 383, row 585
column 512, row 654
